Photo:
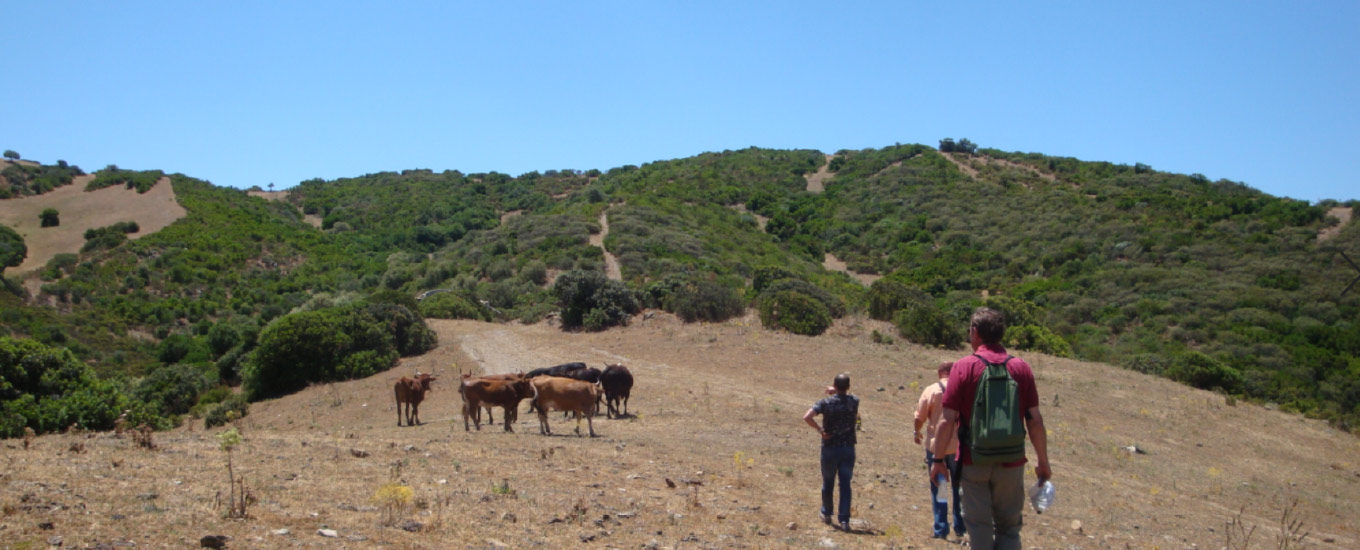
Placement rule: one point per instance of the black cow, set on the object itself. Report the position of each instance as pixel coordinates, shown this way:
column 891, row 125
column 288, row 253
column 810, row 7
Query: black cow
column 617, row 383
column 564, row 370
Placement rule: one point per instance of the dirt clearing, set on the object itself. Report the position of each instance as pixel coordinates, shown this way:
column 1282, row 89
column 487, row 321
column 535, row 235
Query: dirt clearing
column 717, row 412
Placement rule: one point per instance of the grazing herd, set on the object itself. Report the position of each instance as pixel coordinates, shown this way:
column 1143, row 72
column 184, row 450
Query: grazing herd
column 572, row 388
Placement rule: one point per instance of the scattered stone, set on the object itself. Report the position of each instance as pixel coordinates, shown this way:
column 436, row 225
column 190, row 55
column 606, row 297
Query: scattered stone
column 214, row 541
column 626, row 515
column 411, row 449
column 722, row 516
column 328, row 533
column 281, row 532
column 54, row 540
column 45, row 526
column 792, row 526
column 497, row 544
column 881, row 388
column 356, row 538
column 348, row 507
column 412, row 526
column 147, row 496
column 652, row 545
column 827, row 543
column 118, row 516
column 509, row 517
column 1076, row 525
column 555, row 520
column 587, row 538
column 358, row 453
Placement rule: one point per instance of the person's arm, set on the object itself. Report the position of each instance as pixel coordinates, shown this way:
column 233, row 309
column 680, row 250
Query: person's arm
column 809, row 419
column 922, row 413
column 948, row 421
column 1034, row 422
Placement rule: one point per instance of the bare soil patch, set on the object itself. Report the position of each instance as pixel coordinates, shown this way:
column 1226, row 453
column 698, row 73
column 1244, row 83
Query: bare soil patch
column 1342, row 213
column 611, row 263
column 816, row 182
column 80, row 210
column 704, row 393
column 269, row 195
column 761, row 221
column 831, row 262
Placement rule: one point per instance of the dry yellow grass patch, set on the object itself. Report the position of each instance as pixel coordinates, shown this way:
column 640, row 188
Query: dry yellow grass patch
column 706, row 397
column 80, row 210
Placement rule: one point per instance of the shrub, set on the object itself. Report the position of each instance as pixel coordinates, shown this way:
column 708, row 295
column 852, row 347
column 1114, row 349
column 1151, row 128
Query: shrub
column 886, row 296
column 12, row 248
column 795, row 312
column 172, row 389
column 834, row 305
column 1204, row 372
column 1037, row 338
column 581, row 293
column 49, row 218
column 48, row 388
column 766, row 275
column 925, row 324
column 448, row 305
column 706, row 301
column 231, row 408
column 409, row 331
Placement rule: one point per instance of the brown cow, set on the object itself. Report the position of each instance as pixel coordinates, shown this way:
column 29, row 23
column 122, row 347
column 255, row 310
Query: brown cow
column 485, row 392
column 565, row 394
column 490, row 419
column 410, row 392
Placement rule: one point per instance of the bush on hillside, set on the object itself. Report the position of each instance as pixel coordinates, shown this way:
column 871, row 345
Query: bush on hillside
column 172, row 389
column 49, row 218
column 766, row 275
column 695, row 299
column 1037, row 338
column 834, row 306
column 48, row 389
column 927, row 325
column 886, row 296
column 448, row 305
column 232, row 408
column 331, row 344
column 1204, row 372
column 793, row 311
column 588, row 299
column 12, row 248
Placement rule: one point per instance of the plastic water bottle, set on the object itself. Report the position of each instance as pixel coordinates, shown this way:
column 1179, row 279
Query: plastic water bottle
column 1042, row 496
column 940, row 485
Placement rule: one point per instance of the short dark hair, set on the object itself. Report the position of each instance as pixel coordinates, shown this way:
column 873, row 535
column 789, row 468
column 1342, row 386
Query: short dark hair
column 990, row 325
column 842, row 382
column 945, row 367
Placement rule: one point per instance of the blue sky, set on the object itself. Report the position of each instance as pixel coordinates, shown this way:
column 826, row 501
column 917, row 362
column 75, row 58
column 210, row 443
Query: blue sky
column 253, row 93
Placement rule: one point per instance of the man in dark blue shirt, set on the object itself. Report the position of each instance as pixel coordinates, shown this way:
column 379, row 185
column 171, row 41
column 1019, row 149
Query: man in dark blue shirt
column 840, row 415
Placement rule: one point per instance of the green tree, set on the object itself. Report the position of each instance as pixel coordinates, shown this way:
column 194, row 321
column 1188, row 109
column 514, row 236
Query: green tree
column 50, row 217
column 11, row 154
column 13, row 251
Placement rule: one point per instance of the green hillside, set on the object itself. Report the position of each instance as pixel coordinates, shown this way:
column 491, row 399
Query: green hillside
column 1208, row 282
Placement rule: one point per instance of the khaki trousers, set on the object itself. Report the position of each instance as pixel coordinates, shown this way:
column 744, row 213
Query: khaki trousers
column 993, row 504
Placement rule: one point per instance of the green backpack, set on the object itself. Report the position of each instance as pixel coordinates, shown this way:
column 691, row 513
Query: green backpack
column 996, row 432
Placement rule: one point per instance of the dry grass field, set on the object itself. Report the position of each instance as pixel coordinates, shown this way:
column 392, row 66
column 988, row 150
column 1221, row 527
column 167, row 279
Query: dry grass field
column 718, row 405
column 81, row 210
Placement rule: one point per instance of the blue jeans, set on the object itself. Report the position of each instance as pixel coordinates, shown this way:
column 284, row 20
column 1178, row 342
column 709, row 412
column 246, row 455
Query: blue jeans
column 941, row 509
column 837, row 462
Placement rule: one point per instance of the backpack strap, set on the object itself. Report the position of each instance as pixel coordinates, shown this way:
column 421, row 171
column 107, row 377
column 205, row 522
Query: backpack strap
column 989, row 363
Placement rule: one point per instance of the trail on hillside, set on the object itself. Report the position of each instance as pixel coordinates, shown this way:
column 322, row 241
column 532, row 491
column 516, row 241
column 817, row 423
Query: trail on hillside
column 832, row 263
column 1342, row 213
column 816, row 182
column 611, row 264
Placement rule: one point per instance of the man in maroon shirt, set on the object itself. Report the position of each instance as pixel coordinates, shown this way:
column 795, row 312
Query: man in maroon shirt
column 993, row 494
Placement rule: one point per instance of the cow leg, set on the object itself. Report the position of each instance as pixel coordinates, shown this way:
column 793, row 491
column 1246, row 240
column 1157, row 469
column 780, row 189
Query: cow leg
column 465, row 417
column 543, row 428
column 490, row 418
column 625, row 404
column 415, row 413
column 590, row 423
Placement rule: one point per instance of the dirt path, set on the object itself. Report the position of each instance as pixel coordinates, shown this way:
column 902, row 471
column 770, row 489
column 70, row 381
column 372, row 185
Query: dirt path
column 966, row 169
column 832, row 263
column 611, row 264
column 761, row 221
column 80, row 210
column 1342, row 213
column 816, row 182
